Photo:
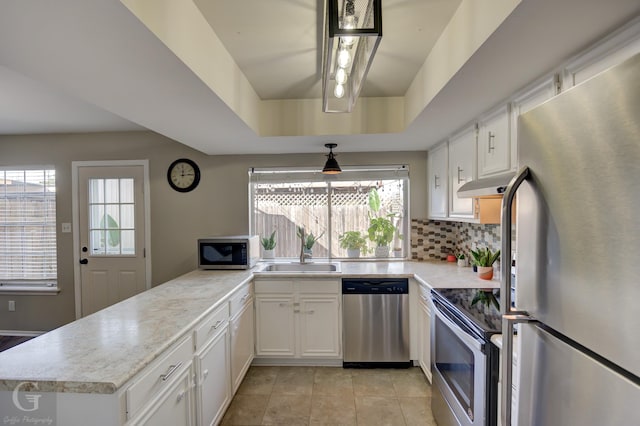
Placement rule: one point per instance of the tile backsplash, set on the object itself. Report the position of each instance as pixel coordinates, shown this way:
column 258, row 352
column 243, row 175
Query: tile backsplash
column 434, row 240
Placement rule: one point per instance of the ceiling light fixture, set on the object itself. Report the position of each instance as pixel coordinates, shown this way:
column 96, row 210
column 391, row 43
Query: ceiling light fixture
column 352, row 33
column 331, row 167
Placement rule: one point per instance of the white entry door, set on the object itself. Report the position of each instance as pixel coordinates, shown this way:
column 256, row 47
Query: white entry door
column 111, row 234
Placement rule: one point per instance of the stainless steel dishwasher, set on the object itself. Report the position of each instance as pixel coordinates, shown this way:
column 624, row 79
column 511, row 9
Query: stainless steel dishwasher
column 375, row 317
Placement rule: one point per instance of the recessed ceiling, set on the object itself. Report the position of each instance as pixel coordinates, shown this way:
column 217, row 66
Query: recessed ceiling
column 77, row 66
column 277, row 43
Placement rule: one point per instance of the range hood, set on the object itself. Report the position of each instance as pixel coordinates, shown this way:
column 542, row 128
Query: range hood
column 486, row 187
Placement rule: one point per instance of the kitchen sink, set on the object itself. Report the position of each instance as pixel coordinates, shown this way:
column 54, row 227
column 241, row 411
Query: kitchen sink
column 302, row 267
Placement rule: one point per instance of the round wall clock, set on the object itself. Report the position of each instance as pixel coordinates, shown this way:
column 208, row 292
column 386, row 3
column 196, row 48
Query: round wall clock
column 183, row 175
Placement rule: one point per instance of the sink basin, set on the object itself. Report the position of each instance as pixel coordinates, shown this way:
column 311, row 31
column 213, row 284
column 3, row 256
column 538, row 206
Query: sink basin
column 302, row 267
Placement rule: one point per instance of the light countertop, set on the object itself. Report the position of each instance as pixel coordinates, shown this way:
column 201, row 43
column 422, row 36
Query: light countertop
column 101, row 352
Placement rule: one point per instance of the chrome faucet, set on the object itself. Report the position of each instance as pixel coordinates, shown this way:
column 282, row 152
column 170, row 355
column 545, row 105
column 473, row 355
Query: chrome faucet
column 303, row 255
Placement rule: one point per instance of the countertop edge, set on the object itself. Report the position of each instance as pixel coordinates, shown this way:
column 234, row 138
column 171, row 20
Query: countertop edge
column 110, row 387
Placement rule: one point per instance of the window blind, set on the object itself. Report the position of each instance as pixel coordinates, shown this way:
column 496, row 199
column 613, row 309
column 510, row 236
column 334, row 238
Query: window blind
column 27, row 227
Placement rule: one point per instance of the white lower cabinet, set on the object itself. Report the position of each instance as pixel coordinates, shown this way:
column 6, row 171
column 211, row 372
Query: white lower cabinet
column 275, row 328
column 319, row 323
column 298, row 318
column 242, row 343
column 174, row 407
column 162, row 394
column 213, row 388
column 424, row 331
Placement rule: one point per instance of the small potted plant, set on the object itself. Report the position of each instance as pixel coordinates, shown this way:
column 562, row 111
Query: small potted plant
column 268, row 245
column 484, row 259
column 309, row 240
column 354, row 242
column 462, row 261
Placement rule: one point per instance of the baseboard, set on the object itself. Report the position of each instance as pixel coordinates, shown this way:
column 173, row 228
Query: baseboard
column 293, row 362
column 21, row 333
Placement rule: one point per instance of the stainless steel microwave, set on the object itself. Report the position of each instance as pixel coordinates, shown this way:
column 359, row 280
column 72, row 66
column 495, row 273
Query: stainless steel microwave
column 231, row 252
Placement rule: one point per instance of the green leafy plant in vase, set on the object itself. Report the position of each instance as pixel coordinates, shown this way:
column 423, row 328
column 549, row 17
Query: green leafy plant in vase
column 354, row 242
column 268, row 245
column 484, row 259
column 381, row 228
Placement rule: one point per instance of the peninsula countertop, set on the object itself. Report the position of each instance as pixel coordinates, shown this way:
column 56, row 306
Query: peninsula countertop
column 101, row 352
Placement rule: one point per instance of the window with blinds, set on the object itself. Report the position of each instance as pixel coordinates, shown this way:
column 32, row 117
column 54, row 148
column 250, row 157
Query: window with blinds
column 28, row 228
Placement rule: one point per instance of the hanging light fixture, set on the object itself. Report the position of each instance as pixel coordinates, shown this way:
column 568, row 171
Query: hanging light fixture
column 331, row 167
column 352, row 33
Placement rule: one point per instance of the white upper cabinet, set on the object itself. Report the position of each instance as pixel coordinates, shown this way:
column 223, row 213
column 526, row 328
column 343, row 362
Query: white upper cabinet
column 437, row 165
column 525, row 101
column 610, row 51
column 494, row 143
column 462, row 169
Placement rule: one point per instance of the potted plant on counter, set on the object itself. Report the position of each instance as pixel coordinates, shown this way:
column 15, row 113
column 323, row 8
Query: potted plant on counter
column 381, row 232
column 354, row 242
column 309, row 240
column 268, row 246
column 381, row 229
column 484, row 259
column 462, row 261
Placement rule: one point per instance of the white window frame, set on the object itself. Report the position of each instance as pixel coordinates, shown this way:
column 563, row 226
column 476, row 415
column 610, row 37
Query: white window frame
column 42, row 286
column 302, row 174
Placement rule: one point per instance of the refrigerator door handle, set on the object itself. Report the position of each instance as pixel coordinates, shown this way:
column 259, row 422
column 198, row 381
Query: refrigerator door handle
column 505, row 263
column 506, row 394
column 509, row 315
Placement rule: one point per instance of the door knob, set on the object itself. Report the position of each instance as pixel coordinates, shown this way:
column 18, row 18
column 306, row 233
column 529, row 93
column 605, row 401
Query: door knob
column 84, row 261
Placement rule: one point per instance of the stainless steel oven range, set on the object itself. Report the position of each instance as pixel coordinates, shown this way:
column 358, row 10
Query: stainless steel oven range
column 464, row 362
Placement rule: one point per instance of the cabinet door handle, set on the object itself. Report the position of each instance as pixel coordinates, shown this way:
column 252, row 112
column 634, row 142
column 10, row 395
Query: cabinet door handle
column 216, row 325
column 436, row 184
column 310, row 312
column 284, row 305
column 460, row 179
column 180, row 396
column 296, row 311
column 172, row 369
column 205, row 373
column 490, row 145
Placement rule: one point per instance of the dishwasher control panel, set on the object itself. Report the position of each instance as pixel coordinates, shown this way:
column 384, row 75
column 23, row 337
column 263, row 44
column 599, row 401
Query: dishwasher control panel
column 375, row 286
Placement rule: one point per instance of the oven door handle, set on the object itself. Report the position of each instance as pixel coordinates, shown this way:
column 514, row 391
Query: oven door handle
column 459, row 332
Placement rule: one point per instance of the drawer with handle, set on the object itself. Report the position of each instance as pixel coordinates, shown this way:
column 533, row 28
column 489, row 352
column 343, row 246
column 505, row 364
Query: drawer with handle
column 240, row 298
column 209, row 327
column 159, row 375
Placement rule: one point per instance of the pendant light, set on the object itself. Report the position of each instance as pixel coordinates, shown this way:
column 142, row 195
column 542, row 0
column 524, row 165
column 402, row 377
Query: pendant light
column 331, row 167
column 351, row 35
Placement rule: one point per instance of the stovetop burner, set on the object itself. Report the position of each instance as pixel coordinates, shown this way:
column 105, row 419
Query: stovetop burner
column 483, row 315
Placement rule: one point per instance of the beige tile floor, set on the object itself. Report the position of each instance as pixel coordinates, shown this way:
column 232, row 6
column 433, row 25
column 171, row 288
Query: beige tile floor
column 331, row 396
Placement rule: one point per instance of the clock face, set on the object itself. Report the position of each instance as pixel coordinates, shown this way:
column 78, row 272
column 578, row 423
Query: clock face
column 183, row 175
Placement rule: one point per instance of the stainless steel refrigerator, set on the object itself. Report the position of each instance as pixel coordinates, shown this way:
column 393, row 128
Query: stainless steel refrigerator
column 578, row 256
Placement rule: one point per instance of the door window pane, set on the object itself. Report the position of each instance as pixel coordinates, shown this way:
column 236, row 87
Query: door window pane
column 111, row 210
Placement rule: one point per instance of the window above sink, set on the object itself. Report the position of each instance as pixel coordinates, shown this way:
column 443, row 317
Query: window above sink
column 282, row 199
